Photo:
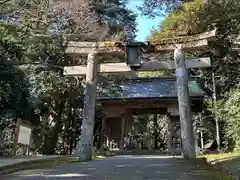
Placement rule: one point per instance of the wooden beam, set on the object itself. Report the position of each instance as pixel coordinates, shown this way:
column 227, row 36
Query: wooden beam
column 148, row 66
column 190, row 43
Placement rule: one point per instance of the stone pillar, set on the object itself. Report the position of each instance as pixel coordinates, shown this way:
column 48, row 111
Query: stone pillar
column 184, row 104
column 84, row 147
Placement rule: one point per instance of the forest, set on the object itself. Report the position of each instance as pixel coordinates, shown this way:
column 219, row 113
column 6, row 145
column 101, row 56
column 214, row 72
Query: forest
column 33, row 88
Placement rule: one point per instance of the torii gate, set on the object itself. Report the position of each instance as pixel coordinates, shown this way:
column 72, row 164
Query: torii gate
column 133, row 51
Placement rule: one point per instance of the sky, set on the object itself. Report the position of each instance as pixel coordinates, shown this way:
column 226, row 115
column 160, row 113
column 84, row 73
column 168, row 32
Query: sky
column 145, row 24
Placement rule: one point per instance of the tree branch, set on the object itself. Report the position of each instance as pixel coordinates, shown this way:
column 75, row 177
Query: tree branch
column 4, row 1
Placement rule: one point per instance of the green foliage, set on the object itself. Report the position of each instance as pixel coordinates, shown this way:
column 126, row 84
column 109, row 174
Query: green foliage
column 149, row 131
column 117, row 17
column 13, row 87
column 14, row 90
column 32, row 85
column 231, row 113
column 197, row 16
column 182, row 21
column 154, row 8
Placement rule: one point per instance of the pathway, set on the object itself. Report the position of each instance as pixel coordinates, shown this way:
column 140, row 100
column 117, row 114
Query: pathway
column 5, row 161
column 124, row 168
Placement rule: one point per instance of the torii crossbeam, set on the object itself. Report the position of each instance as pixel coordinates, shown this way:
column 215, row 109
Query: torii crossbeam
column 176, row 45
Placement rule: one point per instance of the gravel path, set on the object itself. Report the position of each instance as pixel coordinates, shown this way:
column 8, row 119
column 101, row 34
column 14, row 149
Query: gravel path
column 123, row 168
column 5, row 161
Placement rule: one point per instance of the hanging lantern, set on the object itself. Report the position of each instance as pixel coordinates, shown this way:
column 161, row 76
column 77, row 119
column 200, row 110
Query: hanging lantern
column 133, row 54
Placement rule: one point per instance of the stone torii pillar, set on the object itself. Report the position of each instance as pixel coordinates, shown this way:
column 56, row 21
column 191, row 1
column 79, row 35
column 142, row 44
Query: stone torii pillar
column 84, row 149
column 188, row 143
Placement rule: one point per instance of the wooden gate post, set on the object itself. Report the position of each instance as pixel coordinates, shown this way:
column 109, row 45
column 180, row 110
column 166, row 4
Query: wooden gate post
column 102, row 134
column 85, row 145
column 170, row 133
column 123, row 129
column 188, row 144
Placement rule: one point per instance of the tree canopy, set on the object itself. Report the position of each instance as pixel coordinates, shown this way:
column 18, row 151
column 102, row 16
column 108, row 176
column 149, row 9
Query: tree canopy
column 33, row 87
column 197, row 16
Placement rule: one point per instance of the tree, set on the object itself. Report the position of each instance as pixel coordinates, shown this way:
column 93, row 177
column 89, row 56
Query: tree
column 194, row 17
column 228, row 112
column 160, row 7
column 198, row 16
column 32, row 53
column 13, row 90
column 110, row 18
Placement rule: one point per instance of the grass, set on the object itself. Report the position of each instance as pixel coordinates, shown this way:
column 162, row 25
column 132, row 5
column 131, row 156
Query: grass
column 221, row 157
column 230, row 162
column 99, row 157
